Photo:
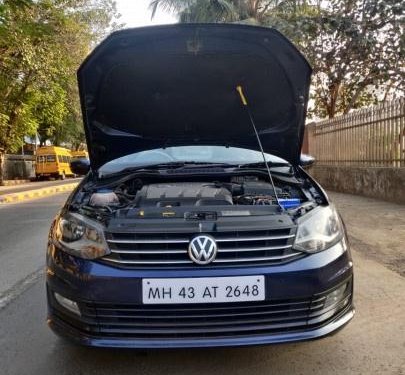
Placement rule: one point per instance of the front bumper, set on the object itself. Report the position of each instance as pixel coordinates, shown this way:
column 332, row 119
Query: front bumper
column 79, row 337
column 110, row 301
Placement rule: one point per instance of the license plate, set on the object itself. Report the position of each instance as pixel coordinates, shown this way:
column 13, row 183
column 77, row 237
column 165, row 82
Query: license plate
column 203, row 290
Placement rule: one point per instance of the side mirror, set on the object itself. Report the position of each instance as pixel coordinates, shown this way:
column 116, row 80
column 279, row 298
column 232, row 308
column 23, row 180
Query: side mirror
column 80, row 166
column 306, row 160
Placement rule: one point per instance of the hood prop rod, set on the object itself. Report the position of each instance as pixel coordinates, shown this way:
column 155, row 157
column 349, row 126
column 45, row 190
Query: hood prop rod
column 252, row 121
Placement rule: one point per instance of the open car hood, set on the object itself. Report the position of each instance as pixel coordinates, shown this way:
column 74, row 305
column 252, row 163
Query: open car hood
column 161, row 86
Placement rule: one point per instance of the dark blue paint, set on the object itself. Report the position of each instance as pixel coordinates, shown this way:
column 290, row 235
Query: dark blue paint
column 84, row 280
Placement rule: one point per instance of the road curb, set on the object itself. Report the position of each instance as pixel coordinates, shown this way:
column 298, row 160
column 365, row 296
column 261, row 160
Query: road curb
column 36, row 193
column 14, row 182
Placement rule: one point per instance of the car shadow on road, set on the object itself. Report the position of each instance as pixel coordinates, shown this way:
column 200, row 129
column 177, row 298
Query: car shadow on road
column 273, row 359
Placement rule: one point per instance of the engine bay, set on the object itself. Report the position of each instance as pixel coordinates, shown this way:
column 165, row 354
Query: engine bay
column 194, row 199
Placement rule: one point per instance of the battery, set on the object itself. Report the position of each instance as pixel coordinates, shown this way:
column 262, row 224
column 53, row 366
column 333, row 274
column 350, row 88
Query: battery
column 287, row 203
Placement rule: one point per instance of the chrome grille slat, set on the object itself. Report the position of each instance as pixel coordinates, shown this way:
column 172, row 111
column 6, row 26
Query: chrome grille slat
column 150, row 261
column 247, row 249
column 239, row 250
column 258, row 238
column 150, row 241
column 257, row 259
column 186, row 240
column 170, row 249
column 150, row 252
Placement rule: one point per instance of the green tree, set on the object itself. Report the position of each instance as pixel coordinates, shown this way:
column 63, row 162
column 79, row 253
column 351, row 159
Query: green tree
column 253, row 11
column 42, row 43
column 356, row 47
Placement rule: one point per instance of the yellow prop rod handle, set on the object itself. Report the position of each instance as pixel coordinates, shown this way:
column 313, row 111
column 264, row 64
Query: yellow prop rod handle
column 242, row 96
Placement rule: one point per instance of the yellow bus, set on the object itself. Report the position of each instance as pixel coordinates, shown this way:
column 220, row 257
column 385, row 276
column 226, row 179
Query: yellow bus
column 52, row 161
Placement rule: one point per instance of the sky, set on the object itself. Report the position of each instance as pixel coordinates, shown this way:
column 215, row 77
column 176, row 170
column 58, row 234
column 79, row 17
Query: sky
column 135, row 13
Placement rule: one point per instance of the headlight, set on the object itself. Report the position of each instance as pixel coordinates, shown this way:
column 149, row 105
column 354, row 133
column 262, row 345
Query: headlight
column 80, row 236
column 318, row 230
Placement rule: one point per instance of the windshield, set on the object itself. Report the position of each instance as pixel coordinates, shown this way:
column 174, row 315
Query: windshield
column 200, row 154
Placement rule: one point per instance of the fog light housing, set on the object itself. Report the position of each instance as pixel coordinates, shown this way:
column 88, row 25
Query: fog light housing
column 67, row 303
column 336, row 295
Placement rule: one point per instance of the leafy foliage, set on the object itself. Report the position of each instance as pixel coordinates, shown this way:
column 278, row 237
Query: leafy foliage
column 42, row 43
column 356, row 47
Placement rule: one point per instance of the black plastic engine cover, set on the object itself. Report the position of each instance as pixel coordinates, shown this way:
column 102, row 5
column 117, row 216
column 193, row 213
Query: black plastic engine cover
column 182, row 194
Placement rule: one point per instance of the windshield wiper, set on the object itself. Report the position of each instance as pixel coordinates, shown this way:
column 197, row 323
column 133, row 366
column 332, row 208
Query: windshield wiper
column 168, row 165
column 262, row 164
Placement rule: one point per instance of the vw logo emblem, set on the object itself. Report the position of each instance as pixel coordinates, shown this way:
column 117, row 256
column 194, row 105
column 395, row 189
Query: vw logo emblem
column 202, row 249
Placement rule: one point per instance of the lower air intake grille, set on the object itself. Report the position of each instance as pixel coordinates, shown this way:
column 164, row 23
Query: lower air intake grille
column 202, row 321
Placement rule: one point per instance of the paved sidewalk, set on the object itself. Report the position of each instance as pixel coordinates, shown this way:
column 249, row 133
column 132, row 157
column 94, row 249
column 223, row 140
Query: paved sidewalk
column 35, row 185
column 15, row 182
column 37, row 189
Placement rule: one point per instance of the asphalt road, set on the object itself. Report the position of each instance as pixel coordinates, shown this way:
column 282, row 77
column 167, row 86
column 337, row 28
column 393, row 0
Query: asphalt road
column 373, row 343
column 23, row 232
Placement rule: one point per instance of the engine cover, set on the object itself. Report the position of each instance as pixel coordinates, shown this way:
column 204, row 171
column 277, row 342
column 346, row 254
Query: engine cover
column 182, row 194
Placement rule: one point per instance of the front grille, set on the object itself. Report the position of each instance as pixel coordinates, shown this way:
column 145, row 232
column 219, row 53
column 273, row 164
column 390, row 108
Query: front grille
column 202, row 321
column 251, row 247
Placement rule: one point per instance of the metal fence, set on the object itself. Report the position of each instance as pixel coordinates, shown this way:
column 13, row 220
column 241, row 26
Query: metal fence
column 19, row 167
column 373, row 136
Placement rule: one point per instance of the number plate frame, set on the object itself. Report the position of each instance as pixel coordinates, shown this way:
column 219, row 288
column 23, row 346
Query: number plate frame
column 203, row 290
